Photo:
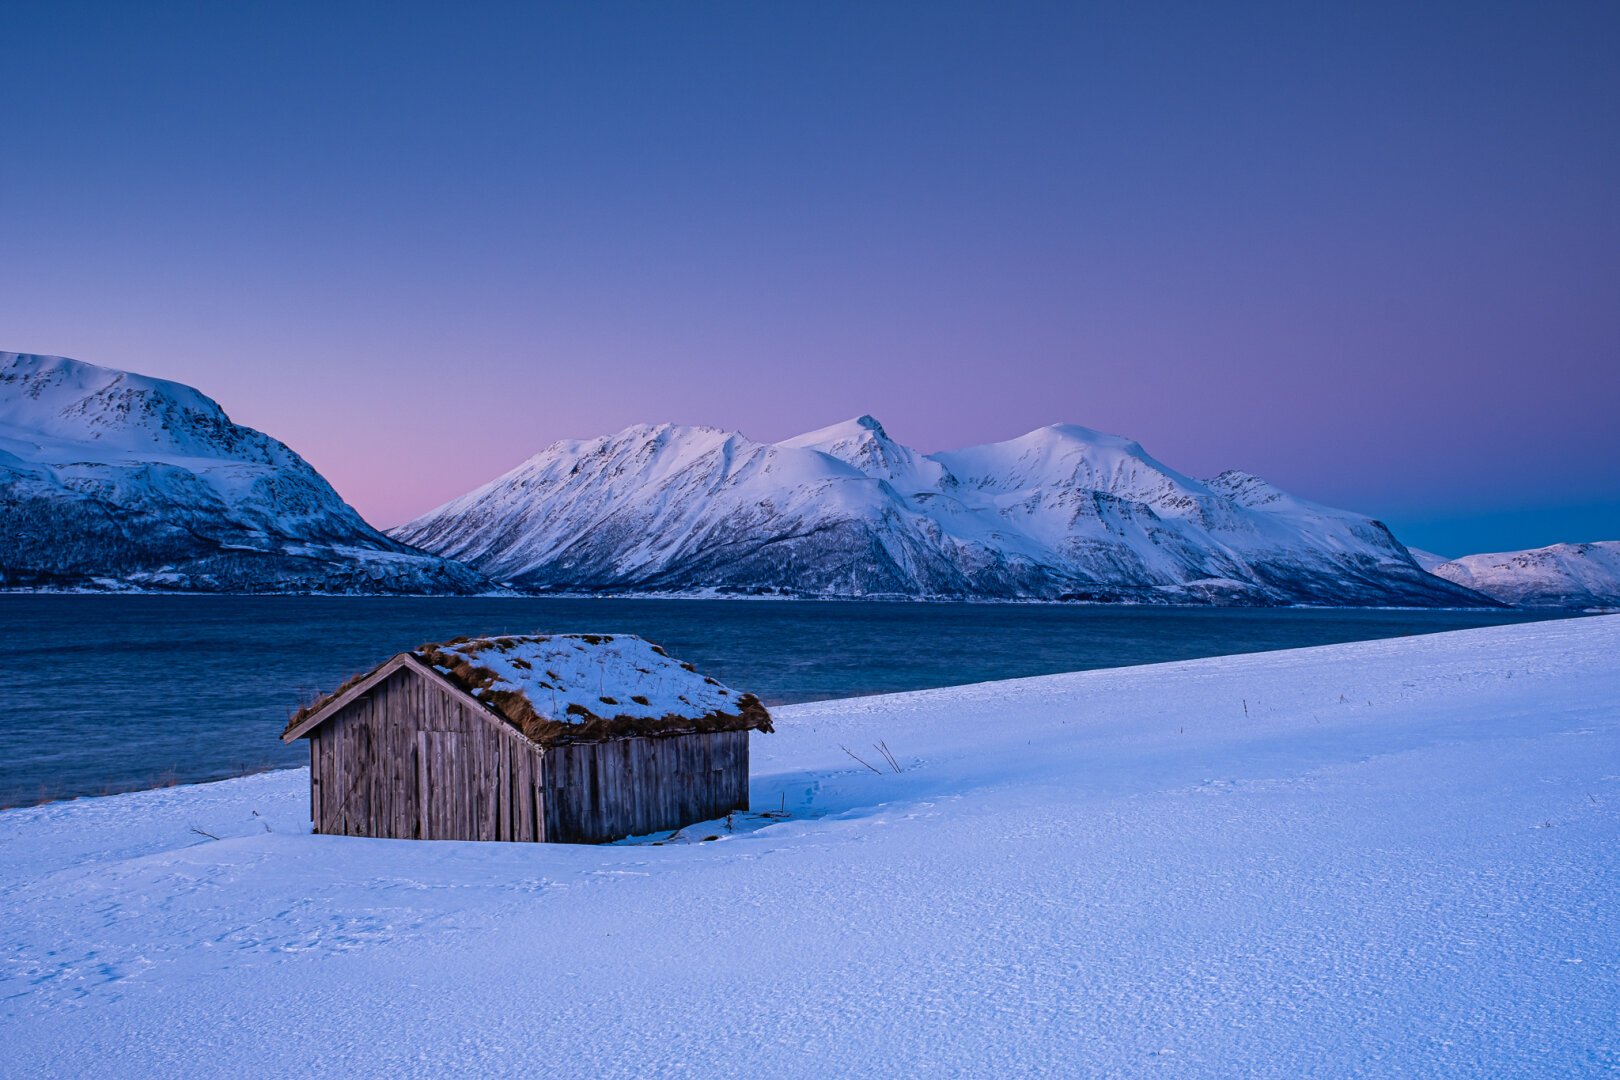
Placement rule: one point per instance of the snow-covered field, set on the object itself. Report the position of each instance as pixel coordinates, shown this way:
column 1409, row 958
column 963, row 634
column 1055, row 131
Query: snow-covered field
column 1393, row 858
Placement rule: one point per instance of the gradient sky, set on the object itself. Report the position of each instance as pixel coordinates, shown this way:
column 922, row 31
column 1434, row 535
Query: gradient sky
column 1369, row 252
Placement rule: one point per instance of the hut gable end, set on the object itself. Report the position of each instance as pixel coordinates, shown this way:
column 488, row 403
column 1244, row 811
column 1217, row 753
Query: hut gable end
column 359, row 689
column 410, row 757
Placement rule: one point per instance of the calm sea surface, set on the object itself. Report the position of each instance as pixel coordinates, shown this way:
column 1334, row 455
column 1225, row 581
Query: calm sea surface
column 109, row 693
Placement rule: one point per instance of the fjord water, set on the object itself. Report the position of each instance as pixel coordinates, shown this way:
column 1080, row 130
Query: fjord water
column 109, row 693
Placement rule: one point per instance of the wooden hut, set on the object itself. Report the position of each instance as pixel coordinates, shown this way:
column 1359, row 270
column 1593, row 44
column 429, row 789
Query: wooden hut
column 568, row 738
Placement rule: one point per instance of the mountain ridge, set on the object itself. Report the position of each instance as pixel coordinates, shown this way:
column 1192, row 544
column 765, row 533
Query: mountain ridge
column 1585, row 575
column 115, row 480
column 110, row 479
column 1062, row 512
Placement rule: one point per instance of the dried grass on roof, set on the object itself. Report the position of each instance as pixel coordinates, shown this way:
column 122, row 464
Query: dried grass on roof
column 516, row 708
column 304, row 712
column 586, row 725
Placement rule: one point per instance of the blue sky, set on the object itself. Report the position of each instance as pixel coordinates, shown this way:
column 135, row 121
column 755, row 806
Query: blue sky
column 1369, row 252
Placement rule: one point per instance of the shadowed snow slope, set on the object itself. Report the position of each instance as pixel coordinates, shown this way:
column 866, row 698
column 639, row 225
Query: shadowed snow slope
column 1391, row 858
column 1063, row 512
column 1563, row 575
column 113, row 479
column 1426, row 559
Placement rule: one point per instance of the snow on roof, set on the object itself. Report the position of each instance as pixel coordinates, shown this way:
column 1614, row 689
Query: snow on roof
column 561, row 687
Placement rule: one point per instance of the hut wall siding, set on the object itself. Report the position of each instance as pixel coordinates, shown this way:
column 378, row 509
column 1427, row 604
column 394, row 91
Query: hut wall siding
column 629, row 787
column 315, row 782
column 411, row 760
column 331, row 782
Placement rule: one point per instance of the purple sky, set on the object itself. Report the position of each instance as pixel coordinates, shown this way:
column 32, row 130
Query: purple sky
column 1370, row 253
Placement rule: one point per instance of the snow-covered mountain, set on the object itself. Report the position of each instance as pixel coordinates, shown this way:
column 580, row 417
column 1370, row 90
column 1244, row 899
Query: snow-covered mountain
column 1426, row 559
column 1562, row 576
column 1062, row 512
column 118, row 480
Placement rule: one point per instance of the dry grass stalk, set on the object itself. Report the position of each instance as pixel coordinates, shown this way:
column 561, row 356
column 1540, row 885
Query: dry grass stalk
column 882, row 747
column 860, row 759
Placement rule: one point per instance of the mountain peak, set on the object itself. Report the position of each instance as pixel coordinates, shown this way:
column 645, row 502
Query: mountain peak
column 860, row 429
column 864, row 444
column 1069, row 456
column 119, row 412
column 1078, row 433
column 147, row 482
column 1560, row 575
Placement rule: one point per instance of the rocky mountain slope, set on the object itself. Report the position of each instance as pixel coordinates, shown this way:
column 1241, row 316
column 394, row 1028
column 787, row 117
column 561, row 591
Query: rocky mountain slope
column 114, row 480
column 1062, row 512
column 1560, row 576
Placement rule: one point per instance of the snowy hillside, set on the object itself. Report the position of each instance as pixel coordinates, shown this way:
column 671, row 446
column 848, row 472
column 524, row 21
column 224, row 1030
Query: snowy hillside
column 1426, row 559
column 1063, row 512
column 1562, row 576
column 1389, row 859
column 118, row 480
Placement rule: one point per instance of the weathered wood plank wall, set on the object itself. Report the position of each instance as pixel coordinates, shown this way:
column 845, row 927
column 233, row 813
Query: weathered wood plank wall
column 411, row 761
column 629, row 787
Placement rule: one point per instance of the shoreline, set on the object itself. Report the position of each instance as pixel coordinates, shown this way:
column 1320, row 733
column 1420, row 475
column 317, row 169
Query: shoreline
column 730, row 597
column 864, row 698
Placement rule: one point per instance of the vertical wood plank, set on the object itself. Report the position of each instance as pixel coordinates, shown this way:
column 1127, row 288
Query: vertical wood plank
column 523, row 794
column 503, row 790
